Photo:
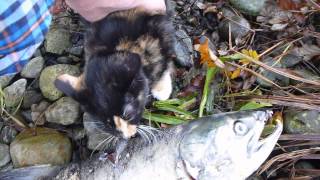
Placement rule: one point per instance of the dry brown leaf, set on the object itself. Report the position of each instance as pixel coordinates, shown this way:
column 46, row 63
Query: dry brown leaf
column 206, row 54
column 290, row 4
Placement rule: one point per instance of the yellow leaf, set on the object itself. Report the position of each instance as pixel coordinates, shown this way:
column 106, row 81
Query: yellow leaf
column 235, row 73
column 251, row 53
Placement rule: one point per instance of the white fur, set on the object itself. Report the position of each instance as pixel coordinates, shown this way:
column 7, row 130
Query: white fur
column 162, row 90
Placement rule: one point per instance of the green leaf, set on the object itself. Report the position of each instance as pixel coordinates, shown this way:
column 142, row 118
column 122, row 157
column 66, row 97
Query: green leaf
column 175, row 101
column 175, row 109
column 231, row 57
column 168, row 102
column 172, row 120
column 254, row 105
column 209, row 76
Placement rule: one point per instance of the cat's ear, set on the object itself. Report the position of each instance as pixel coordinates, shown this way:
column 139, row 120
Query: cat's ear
column 69, row 85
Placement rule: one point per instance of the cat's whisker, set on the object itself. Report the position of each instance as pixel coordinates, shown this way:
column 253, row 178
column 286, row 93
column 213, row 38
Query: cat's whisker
column 151, row 129
column 149, row 133
column 102, row 142
column 144, row 136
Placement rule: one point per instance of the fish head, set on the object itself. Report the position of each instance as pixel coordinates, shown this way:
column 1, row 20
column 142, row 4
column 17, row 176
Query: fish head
column 226, row 146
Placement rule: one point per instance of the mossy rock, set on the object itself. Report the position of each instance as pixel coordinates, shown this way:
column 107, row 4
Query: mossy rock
column 49, row 75
column 40, row 146
column 301, row 122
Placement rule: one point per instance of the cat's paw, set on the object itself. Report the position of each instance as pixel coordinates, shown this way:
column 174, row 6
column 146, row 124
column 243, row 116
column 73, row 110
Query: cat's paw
column 162, row 90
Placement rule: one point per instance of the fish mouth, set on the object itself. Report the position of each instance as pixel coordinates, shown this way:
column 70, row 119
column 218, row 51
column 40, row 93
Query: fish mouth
column 266, row 144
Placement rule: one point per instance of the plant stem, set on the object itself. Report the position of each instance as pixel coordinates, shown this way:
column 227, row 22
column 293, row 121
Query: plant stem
column 211, row 71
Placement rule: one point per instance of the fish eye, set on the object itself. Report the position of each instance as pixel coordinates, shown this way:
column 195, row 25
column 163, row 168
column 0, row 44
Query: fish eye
column 240, row 128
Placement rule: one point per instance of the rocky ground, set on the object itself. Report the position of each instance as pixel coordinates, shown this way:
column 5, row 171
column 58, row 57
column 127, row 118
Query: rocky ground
column 282, row 38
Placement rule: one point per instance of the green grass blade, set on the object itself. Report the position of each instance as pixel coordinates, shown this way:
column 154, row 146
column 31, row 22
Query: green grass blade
column 168, row 102
column 175, row 109
column 209, row 76
column 172, row 120
column 254, row 105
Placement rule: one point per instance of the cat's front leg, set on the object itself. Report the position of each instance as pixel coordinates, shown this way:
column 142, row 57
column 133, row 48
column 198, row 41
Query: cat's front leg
column 163, row 88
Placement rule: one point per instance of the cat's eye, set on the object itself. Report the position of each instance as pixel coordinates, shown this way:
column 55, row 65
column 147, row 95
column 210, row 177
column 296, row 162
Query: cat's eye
column 240, row 128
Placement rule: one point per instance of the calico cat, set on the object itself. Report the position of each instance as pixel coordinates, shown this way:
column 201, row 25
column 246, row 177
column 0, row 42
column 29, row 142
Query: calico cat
column 129, row 55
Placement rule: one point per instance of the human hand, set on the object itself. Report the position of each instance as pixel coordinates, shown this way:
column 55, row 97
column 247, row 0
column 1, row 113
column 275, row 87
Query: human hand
column 98, row 9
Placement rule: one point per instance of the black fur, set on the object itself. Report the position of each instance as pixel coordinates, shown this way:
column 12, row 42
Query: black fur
column 116, row 82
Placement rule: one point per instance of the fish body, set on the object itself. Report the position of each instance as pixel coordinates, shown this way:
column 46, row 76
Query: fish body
column 222, row 146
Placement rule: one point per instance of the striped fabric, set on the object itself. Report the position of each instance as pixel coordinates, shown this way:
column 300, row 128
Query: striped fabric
column 23, row 25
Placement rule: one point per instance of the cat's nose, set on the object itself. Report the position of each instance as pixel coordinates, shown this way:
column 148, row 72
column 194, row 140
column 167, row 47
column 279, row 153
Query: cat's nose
column 128, row 130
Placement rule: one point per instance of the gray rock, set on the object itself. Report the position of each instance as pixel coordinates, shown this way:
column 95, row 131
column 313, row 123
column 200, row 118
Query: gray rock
column 1, row 124
column 31, row 97
column 78, row 133
column 64, row 60
column 76, row 50
column 304, row 165
column 65, row 111
column 62, row 20
column 290, row 60
column 26, row 115
column 49, row 75
column 33, row 68
column 57, row 41
column 239, row 26
column 37, row 112
column 301, row 121
column 74, row 58
column 274, row 77
column 184, row 48
column 37, row 53
column 250, row 7
column 7, row 134
column 4, row 154
column 6, row 167
column 304, row 73
column 13, row 94
column 5, row 80
column 95, row 137
column 40, row 146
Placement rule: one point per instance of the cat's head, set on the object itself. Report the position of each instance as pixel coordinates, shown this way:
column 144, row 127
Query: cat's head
column 103, row 88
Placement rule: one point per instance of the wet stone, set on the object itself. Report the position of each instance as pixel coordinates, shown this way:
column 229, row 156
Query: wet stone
column 40, row 146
